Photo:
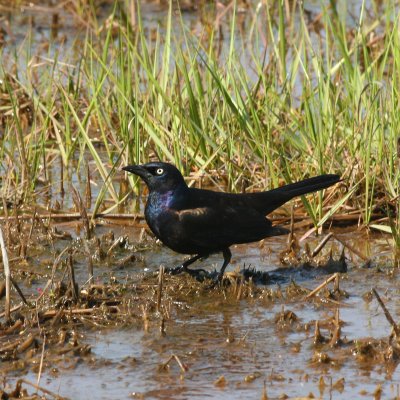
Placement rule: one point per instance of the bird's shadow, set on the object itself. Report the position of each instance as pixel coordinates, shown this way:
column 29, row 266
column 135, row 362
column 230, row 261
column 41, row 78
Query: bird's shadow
column 303, row 271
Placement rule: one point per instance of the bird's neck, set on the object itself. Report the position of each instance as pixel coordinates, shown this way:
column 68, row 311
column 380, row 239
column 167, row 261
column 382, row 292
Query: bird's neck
column 171, row 198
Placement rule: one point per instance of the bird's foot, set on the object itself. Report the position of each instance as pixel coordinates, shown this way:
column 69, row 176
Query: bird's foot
column 176, row 270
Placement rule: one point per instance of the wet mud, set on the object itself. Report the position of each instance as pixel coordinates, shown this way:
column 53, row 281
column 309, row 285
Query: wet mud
column 284, row 322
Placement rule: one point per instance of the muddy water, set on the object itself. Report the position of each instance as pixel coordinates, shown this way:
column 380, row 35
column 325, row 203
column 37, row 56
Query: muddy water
column 237, row 341
column 237, row 349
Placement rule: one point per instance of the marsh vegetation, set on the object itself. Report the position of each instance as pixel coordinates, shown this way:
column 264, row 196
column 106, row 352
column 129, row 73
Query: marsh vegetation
column 241, row 96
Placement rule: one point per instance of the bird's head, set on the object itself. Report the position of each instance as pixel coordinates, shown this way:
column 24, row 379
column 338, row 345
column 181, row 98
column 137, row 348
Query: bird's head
column 158, row 176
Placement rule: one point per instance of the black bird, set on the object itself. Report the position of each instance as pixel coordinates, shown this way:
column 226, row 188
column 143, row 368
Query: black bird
column 202, row 222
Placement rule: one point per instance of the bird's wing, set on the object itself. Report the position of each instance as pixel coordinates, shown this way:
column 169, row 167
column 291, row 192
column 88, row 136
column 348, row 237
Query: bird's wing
column 221, row 227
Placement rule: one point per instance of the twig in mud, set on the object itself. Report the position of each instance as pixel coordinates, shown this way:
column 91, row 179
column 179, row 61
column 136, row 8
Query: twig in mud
column 336, row 333
column 30, row 230
column 90, row 261
column 41, row 360
column 318, row 338
column 75, row 311
column 58, row 260
column 337, row 303
column 7, row 275
column 162, row 326
column 343, row 219
column 321, row 244
column 6, row 218
column 387, row 313
column 183, row 367
column 62, row 192
column 336, row 286
column 16, row 326
column 88, row 191
column 55, row 264
column 264, row 395
column 127, row 259
column 10, row 346
column 239, row 289
column 160, row 287
column 28, row 342
column 291, row 233
column 42, row 389
column 19, row 345
column 17, row 222
column 73, row 284
column 16, row 308
column 308, row 233
column 322, row 285
column 351, row 248
column 75, row 215
column 57, row 317
column 120, row 241
column 19, row 291
column 145, row 318
column 82, row 211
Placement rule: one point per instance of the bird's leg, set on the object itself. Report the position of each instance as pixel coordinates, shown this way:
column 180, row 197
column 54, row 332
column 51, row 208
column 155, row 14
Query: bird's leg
column 227, row 259
column 185, row 264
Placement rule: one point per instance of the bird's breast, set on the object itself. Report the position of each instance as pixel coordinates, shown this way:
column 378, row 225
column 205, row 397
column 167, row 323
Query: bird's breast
column 157, row 210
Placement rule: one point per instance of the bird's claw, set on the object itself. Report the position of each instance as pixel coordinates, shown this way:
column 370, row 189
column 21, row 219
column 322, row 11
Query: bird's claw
column 176, row 270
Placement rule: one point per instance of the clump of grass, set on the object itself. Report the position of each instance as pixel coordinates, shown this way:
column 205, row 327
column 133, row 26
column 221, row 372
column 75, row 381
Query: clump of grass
column 261, row 98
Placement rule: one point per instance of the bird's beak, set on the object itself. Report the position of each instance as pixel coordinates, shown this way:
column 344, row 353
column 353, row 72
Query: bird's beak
column 137, row 170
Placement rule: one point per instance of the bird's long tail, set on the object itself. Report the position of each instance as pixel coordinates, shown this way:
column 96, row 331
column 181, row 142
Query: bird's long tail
column 273, row 199
column 308, row 185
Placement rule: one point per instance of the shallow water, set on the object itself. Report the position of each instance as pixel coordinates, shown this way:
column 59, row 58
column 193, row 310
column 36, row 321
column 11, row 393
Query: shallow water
column 127, row 361
column 214, row 336
column 33, row 31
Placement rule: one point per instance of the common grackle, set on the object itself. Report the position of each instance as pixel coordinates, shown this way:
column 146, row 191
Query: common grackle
column 202, row 222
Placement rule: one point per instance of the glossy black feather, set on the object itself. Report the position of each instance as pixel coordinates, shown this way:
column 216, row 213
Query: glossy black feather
column 197, row 221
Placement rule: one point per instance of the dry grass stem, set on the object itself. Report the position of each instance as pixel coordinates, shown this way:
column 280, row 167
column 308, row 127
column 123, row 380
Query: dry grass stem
column 387, row 313
column 321, row 244
column 321, row 286
column 160, row 286
column 7, row 275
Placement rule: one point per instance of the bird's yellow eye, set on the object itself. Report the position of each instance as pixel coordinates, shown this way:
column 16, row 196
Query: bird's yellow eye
column 159, row 171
